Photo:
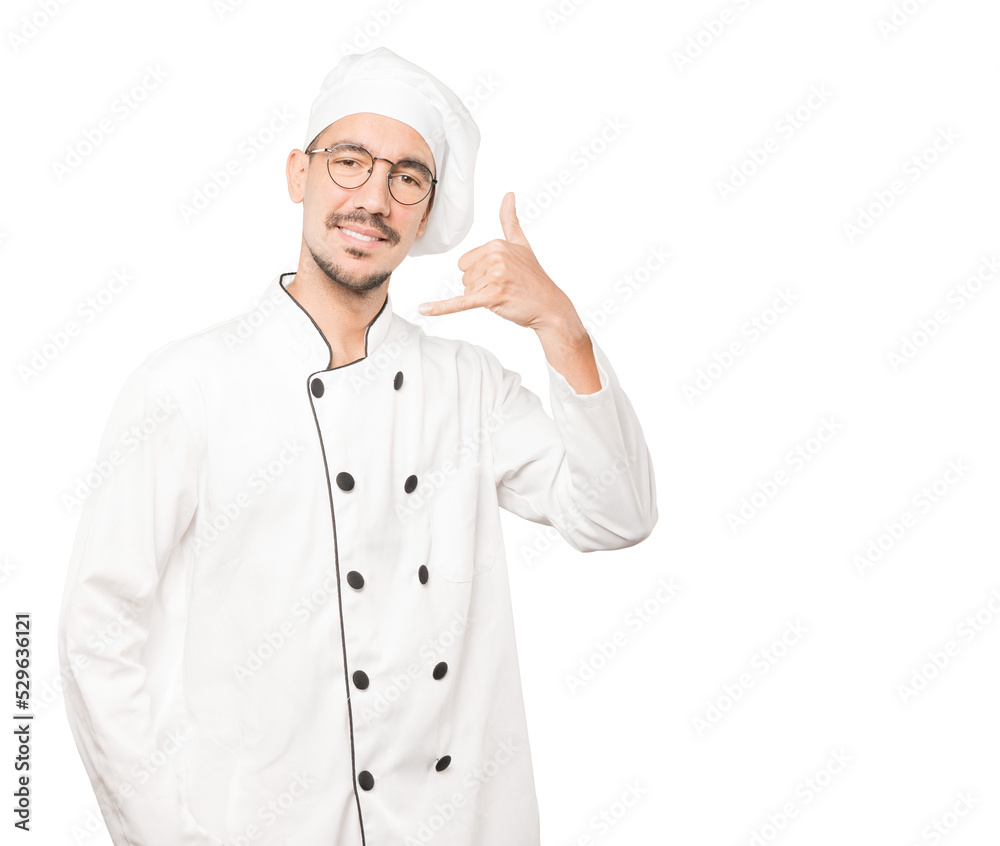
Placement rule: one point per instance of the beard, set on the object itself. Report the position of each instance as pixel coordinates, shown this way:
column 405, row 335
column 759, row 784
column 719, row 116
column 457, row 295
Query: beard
column 355, row 283
column 359, row 283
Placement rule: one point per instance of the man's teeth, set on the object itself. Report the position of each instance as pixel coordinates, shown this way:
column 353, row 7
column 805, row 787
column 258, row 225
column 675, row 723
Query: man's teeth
column 359, row 236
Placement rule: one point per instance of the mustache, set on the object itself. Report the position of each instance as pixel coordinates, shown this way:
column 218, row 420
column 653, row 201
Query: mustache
column 390, row 235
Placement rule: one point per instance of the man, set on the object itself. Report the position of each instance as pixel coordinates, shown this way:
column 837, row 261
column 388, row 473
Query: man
column 287, row 617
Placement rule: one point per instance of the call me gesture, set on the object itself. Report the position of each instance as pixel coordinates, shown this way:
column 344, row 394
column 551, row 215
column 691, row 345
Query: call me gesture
column 504, row 276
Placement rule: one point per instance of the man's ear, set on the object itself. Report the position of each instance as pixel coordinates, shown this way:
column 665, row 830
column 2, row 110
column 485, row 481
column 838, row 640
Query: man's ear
column 295, row 174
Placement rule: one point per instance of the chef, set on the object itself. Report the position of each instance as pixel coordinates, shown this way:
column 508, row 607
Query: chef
column 287, row 617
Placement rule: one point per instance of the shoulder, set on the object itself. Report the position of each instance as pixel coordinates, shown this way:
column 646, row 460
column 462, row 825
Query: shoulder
column 184, row 367
column 469, row 358
column 437, row 348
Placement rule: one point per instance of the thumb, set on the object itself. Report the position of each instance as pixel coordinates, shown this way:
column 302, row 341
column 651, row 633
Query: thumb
column 508, row 220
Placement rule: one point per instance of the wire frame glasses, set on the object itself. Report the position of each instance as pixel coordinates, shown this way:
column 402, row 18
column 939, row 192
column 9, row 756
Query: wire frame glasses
column 350, row 166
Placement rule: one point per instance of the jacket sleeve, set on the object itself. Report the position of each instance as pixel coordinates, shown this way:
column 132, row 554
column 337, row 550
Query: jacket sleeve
column 587, row 473
column 128, row 531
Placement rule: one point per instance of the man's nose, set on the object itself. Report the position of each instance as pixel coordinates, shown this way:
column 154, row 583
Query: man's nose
column 374, row 196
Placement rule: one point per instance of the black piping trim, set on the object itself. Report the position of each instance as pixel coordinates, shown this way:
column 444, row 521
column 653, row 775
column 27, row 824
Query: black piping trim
column 333, row 522
column 340, row 607
column 371, row 323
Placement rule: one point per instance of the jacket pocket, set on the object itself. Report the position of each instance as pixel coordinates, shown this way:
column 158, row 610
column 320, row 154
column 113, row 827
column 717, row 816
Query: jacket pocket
column 463, row 541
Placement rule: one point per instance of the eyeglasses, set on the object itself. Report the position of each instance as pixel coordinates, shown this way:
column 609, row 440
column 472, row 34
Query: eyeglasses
column 350, row 166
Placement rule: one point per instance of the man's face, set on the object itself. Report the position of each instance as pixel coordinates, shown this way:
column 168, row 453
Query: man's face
column 331, row 213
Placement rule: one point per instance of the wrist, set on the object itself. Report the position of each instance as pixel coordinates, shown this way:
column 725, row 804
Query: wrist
column 566, row 329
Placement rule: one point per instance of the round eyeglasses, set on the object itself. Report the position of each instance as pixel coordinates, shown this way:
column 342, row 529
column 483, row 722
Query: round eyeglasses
column 350, row 166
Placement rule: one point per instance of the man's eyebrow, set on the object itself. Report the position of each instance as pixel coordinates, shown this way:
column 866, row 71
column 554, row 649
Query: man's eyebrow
column 416, row 159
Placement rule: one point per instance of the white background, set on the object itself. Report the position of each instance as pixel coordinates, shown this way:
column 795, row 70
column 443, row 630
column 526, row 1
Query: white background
column 544, row 85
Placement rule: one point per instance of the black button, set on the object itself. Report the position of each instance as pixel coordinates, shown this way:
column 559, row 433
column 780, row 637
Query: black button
column 317, row 387
column 440, row 670
column 397, row 383
column 355, row 580
column 360, row 679
column 422, row 574
column 345, row 481
column 366, row 780
column 443, row 763
column 410, row 485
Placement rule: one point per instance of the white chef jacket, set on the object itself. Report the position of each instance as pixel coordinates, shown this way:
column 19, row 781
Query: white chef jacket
column 287, row 615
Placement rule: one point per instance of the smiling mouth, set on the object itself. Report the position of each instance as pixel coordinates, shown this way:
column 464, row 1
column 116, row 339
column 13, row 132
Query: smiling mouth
column 358, row 238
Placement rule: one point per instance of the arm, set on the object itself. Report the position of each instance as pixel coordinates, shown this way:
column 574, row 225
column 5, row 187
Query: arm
column 569, row 351
column 587, row 472
column 125, row 546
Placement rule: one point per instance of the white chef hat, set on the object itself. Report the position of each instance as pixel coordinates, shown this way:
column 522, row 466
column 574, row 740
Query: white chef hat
column 383, row 83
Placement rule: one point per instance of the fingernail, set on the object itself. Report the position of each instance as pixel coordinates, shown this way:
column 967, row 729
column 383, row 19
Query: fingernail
column 423, row 308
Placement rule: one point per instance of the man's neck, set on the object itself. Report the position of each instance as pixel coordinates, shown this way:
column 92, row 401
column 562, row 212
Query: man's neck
column 342, row 316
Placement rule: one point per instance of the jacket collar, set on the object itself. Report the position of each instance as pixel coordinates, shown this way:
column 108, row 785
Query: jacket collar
column 308, row 340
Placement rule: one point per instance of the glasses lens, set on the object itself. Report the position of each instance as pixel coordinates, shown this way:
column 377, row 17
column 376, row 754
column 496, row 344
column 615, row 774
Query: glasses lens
column 409, row 182
column 349, row 165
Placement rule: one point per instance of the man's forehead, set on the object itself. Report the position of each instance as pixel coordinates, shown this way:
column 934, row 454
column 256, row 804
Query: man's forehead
column 380, row 135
